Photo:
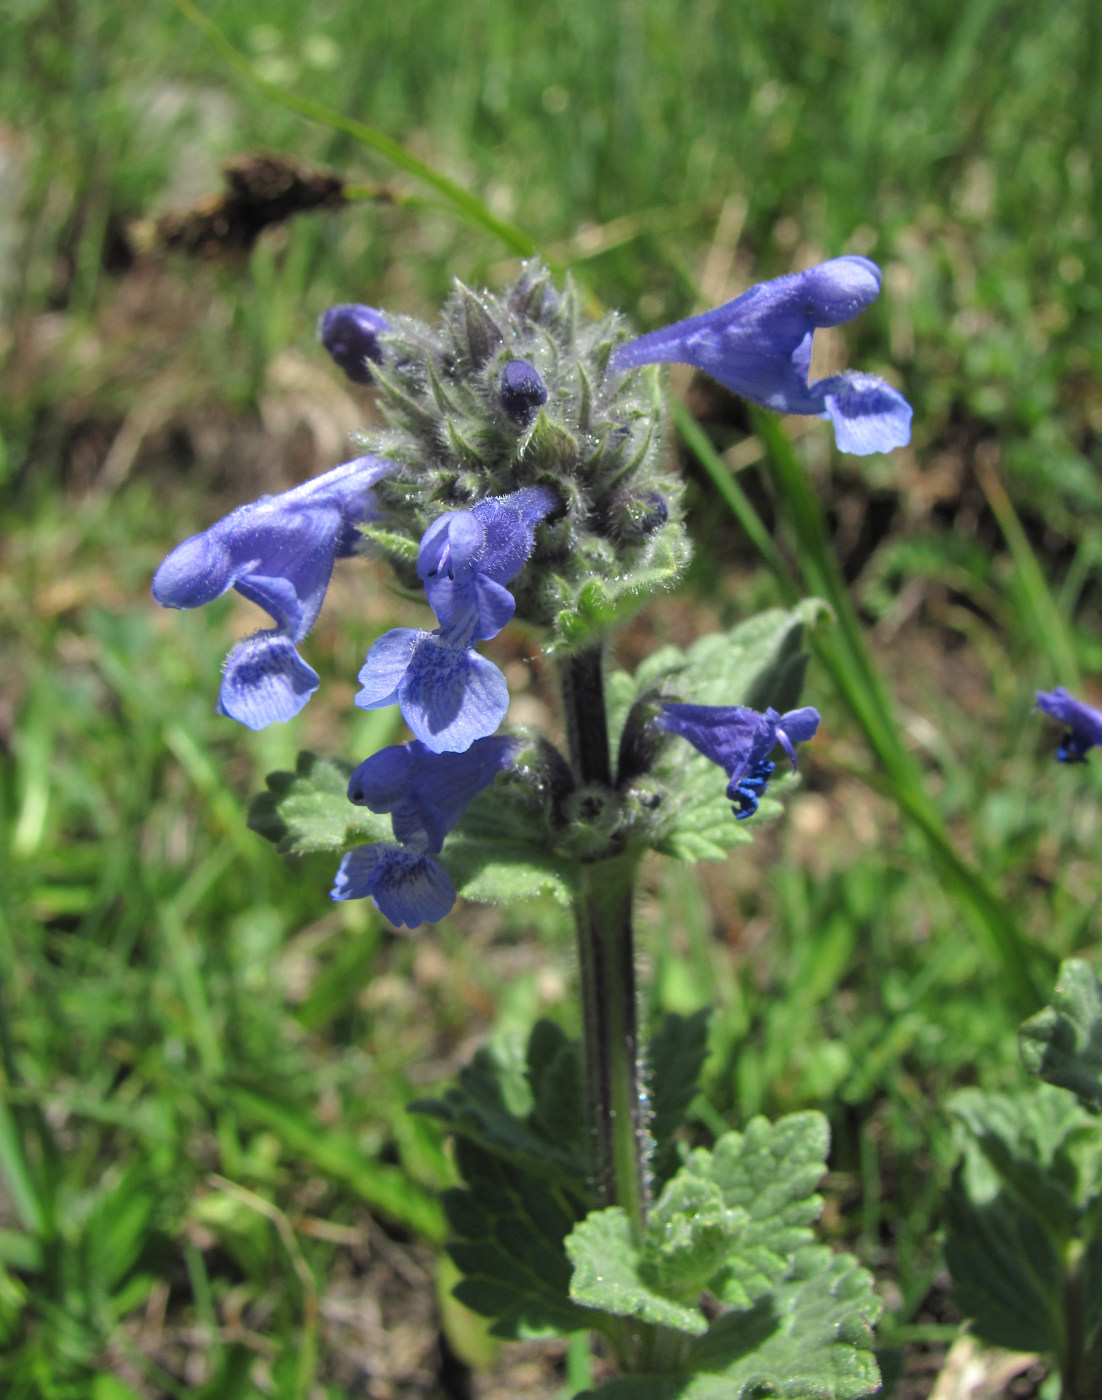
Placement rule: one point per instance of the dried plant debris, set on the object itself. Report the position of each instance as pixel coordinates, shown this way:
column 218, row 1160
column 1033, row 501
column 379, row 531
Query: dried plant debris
column 261, row 190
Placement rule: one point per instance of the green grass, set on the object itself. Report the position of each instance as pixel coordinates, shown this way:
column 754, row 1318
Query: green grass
column 205, row 1062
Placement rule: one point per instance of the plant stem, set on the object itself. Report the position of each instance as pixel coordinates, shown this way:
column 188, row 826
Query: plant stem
column 586, row 723
column 606, row 959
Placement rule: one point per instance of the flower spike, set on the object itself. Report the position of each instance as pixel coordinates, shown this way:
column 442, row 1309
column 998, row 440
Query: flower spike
column 1082, row 721
column 759, row 346
column 740, row 741
column 279, row 553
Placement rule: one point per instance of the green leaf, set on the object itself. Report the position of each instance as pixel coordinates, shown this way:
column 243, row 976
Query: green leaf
column 509, row 1229
column 608, row 1275
column 494, row 871
column 309, row 810
column 529, row 1113
column 1039, row 1145
column 1026, row 1200
column 810, row 1339
column 1063, row 1043
column 500, row 849
column 689, row 1237
column 770, row 1171
column 677, row 1053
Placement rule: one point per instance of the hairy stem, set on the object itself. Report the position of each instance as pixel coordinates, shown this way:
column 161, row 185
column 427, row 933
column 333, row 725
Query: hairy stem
column 606, row 958
column 586, row 723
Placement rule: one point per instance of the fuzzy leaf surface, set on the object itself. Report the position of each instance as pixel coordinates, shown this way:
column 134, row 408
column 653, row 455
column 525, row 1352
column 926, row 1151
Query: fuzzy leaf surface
column 1027, row 1190
column 499, row 851
column 809, row 1339
column 770, row 1172
column 309, row 810
column 608, row 1275
column 1062, row 1044
column 503, row 872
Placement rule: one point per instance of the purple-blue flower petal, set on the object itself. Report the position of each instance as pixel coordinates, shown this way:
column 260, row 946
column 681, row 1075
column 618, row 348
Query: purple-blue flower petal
column 451, row 696
column 265, row 681
column 408, row 888
column 723, row 734
column 798, row 726
column 278, row 552
column 467, row 556
column 386, row 665
column 740, row 741
column 868, row 415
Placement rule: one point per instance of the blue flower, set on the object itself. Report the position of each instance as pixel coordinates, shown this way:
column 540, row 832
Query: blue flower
column 740, row 741
column 1083, row 723
column 449, row 695
column 351, row 335
column 278, row 552
column 759, row 345
column 425, row 794
column 467, row 556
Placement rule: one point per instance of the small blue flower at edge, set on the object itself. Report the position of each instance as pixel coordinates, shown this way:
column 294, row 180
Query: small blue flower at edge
column 425, row 793
column 449, row 695
column 1082, row 721
column 740, row 741
column 759, row 346
column 279, row 553
column 350, row 333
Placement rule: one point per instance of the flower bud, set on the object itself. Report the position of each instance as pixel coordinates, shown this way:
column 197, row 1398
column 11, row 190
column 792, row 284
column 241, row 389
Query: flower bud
column 351, row 335
column 522, row 391
column 632, row 515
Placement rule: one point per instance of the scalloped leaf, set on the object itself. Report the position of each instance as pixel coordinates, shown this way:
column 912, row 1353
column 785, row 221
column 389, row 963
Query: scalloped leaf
column 607, row 1276
column 1026, row 1198
column 811, row 1339
column 529, row 1111
column 1062, row 1044
column 509, row 1230
column 309, row 810
column 494, row 871
column 770, row 1171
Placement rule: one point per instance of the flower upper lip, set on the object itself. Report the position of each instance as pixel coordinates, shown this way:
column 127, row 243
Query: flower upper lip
column 759, row 346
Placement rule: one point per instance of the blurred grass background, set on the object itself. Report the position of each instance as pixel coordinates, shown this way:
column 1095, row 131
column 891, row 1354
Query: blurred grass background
column 209, row 1182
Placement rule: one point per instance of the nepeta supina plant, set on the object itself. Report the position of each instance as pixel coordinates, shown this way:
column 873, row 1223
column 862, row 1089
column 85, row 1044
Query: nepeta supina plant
column 522, row 476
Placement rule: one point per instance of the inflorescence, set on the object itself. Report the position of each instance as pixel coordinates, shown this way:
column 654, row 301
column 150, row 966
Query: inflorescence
column 520, row 474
